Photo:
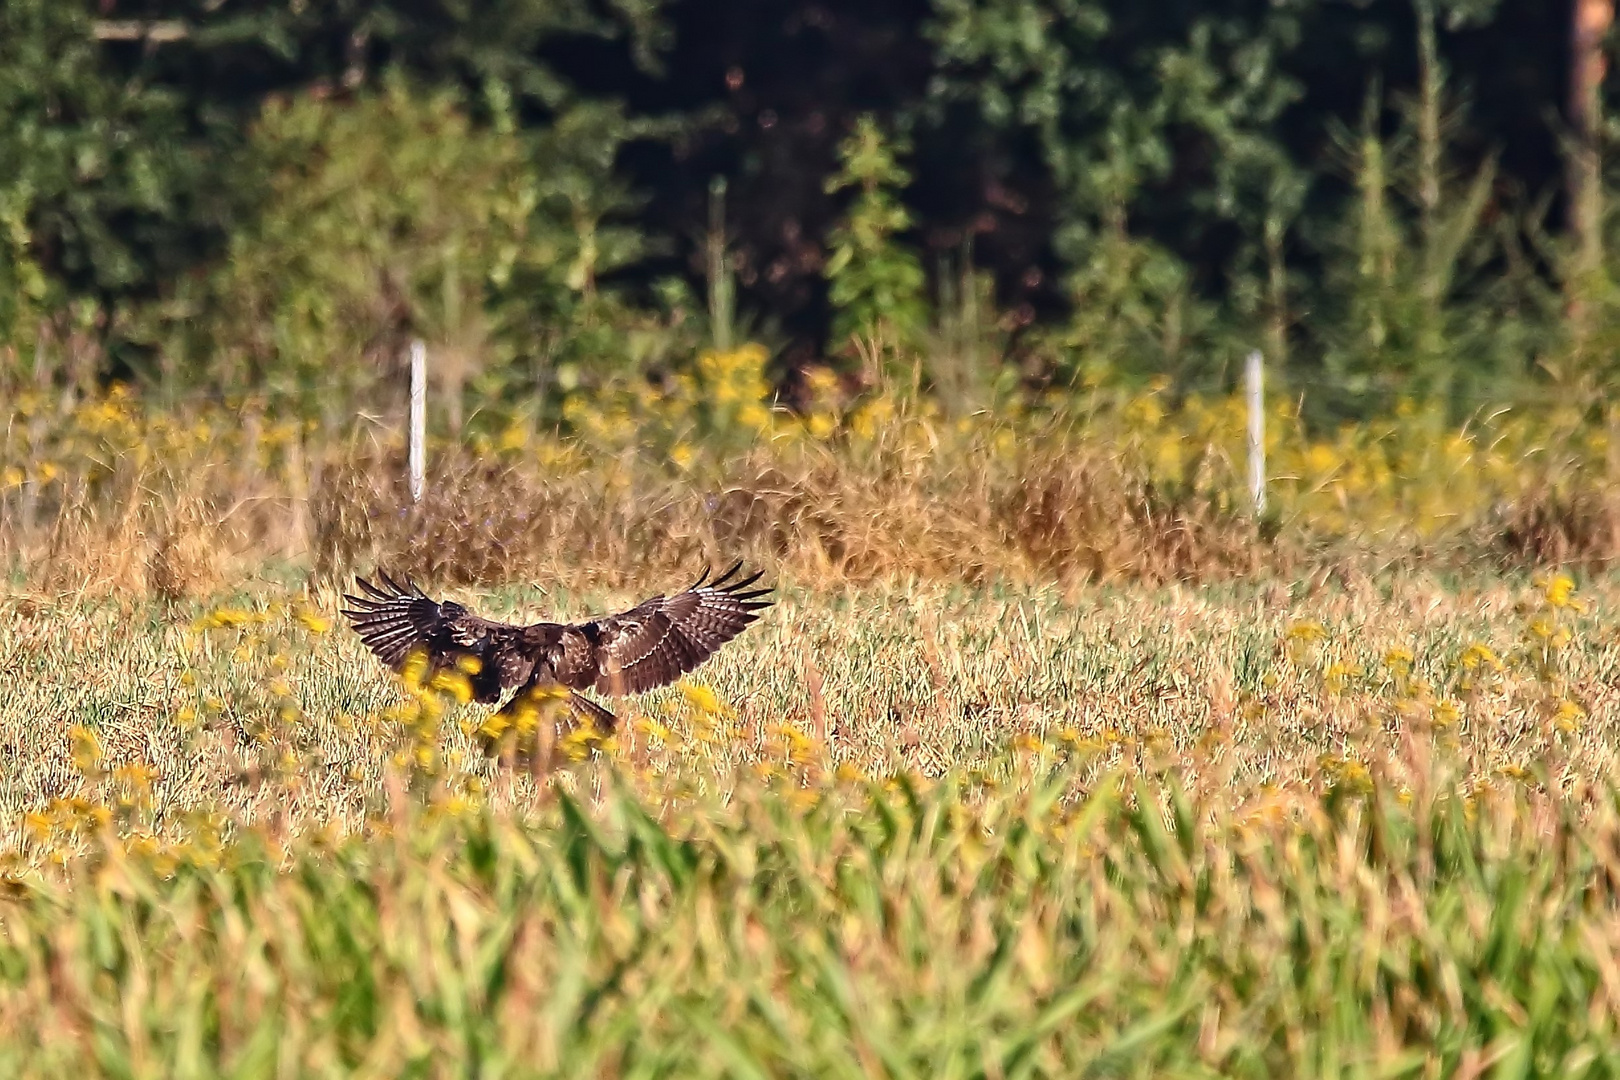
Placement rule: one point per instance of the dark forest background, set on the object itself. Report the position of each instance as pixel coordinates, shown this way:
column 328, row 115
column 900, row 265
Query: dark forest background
column 1393, row 198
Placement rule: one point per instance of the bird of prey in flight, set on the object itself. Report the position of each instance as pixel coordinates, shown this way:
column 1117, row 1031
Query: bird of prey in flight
column 654, row 643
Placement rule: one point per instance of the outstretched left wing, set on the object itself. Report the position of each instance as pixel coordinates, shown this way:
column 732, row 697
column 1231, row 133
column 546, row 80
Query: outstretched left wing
column 394, row 620
column 661, row 639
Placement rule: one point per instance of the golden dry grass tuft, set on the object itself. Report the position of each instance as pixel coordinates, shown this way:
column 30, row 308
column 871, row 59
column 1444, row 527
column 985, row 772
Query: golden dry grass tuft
column 187, row 554
column 1563, row 525
column 1032, row 514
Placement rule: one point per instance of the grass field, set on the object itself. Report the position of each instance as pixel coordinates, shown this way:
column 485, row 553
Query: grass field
column 264, row 702
column 1340, row 826
column 1049, row 761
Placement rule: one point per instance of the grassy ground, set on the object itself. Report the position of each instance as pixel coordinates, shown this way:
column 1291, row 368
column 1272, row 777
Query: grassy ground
column 1347, row 826
column 1315, row 810
column 263, row 704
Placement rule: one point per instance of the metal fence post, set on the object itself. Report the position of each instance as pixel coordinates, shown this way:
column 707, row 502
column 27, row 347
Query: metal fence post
column 1255, row 379
column 418, row 446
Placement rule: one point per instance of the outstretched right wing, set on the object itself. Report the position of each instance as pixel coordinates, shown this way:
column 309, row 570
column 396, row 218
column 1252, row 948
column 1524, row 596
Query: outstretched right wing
column 663, row 638
column 394, row 620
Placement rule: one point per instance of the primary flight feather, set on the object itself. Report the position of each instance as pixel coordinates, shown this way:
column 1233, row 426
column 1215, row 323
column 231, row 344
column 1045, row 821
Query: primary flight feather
column 654, row 643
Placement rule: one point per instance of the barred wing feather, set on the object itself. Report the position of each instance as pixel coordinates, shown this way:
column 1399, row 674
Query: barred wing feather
column 393, row 620
column 661, row 639
column 654, row 643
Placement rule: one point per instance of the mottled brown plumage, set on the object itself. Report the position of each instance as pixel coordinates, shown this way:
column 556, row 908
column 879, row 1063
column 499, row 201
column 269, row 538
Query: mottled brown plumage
column 654, row 643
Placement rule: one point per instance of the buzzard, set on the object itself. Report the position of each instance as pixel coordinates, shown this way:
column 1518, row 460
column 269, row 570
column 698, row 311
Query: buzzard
column 652, row 644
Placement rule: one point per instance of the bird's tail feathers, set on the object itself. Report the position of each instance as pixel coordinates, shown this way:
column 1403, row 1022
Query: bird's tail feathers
column 602, row 719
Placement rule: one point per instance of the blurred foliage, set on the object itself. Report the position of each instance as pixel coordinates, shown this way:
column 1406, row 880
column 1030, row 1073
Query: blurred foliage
column 875, row 284
column 1421, row 278
column 379, row 219
column 1134, row 316
column 393, row 216
column 245, row 239
column 269, row 198
column 104, row 185
column 492, row 48
column 720, row 406
column 1113, row 100
column 1158, row 128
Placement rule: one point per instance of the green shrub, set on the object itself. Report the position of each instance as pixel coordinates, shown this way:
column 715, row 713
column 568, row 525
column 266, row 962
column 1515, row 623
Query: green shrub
column 876, row 283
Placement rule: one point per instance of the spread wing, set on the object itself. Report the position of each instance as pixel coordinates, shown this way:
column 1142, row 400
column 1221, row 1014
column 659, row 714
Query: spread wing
column 661, row 639
column 393, row 620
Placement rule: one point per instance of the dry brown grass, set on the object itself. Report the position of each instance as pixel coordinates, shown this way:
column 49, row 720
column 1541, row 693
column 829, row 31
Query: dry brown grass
column 1569, row 524
column 175, row 545
column 134, row 500
column 1041, row 515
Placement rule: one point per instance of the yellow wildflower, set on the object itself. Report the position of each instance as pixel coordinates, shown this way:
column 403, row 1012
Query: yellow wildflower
column 701, row 699
column 453, row 683
column 1478, row 655
column 514, row 438
column 1338, row 675
column 313, row 621
column 579, row 743
column 652, row 729
column 1560, row 592
column 86, row 747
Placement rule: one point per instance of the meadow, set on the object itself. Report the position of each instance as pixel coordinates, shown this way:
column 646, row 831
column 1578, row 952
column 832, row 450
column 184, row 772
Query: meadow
column 1049, row 761
column 1062, row 753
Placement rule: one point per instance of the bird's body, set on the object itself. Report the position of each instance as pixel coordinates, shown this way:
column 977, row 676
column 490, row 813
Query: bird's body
column 650, row 645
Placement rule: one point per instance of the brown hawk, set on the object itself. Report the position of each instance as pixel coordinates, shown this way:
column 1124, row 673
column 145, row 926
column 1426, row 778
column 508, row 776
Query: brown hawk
column 652, row 644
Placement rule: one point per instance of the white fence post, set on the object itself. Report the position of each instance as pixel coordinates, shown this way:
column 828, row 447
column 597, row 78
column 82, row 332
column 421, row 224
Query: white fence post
column 1255, row 379
column 418, row 450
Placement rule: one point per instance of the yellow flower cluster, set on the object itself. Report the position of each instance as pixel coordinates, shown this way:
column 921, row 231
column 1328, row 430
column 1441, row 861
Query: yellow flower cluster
column 1412, row 474
column 1409, row 476
column 90, row 439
